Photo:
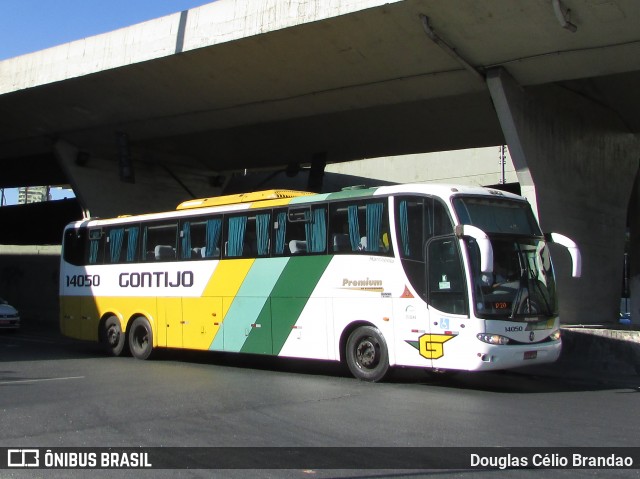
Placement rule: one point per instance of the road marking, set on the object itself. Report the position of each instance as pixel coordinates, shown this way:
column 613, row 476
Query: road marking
column 23, row 381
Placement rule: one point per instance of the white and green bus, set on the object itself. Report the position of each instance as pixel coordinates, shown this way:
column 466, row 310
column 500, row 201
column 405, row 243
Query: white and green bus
column 428, row 276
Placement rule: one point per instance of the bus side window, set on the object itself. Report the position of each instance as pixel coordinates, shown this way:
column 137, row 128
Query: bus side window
column 159, row 242
column 315, row 230
column 410, row 214
column 248, row 236
column 344, row 220
column 190, row 231
column 360, row 227
column 95, row 249
column 280, row 233
column 289, row 235
column 200, row 239
column 236, row 228
column 300, row 230
column 213, row 233
column 122, row 244
column 262, row 232
column 418, row 220
column 441, row 223
column 446, row 276
column 74, row 246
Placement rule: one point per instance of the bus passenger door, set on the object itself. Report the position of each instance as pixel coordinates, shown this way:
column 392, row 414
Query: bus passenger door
column 201, row 320
column 170, row 322
column 448, row 303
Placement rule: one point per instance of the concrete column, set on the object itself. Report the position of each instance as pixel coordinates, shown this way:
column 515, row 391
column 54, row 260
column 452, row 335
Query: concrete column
column 576, row 162
column 634, row 251
column 102, row 191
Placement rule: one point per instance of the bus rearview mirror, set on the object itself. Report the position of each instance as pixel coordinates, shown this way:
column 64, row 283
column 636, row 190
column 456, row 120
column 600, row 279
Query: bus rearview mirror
column 484, row 244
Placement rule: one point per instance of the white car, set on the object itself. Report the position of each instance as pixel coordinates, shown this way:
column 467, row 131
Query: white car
column 9, row 316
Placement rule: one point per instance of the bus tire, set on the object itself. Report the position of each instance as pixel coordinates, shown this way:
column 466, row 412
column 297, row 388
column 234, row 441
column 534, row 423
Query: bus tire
column 111, row 336
column 140, row 338
column 366, row 354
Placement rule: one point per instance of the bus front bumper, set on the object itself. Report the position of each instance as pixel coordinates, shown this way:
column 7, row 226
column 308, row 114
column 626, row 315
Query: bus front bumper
column 491, row 357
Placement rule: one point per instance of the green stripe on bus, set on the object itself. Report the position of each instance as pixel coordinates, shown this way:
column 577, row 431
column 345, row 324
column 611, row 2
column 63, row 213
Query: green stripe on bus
column 259, row 338
column 308, row 199
column 351, row 193
column 291, row 293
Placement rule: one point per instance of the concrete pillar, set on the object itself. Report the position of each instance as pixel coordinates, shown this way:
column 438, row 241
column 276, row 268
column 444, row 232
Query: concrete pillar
column 103, row 191
column 576, row 162
column 634, row 251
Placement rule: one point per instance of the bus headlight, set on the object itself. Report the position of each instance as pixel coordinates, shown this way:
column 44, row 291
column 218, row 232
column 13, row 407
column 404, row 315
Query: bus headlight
column 493, row 338
column 555, row 336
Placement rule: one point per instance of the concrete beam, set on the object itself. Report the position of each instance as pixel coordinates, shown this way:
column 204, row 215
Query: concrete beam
column 576, row 161
column 102, row 189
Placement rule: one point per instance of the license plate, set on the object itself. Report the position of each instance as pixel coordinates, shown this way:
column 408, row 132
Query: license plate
column 530, row 354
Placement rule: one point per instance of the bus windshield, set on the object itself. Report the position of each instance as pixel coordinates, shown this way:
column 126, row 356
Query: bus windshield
column 522, row 285
column 497, row 215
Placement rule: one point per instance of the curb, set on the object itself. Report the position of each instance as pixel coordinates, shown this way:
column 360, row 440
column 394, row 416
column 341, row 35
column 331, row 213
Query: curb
column 595, row 354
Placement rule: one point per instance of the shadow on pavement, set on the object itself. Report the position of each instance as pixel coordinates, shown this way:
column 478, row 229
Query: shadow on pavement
column 43, row 341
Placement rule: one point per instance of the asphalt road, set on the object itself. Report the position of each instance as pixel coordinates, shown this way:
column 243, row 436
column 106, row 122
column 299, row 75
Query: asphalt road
column 55, row 392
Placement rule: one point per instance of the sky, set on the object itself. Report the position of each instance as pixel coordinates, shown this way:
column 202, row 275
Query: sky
column 30, row 25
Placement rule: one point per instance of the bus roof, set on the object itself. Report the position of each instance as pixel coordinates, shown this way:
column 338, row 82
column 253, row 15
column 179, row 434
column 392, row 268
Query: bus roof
column 282, row 197
column 241, row 198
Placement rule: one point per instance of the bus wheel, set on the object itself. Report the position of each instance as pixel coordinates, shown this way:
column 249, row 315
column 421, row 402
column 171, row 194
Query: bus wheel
column 112, row 338
column 141, row 338
column 366, row 354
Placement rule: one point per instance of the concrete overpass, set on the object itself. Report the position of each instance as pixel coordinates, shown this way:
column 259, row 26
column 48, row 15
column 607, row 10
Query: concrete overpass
column 144, row 117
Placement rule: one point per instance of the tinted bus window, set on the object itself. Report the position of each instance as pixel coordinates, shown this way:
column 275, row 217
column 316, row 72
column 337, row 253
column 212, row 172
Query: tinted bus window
column 200, row 239
column 360, row 227
column 306, row 230
column 248, row 236
column 95, row 249
column 159, row 242
column 122, row 244
column 418, row 219
column 74, row 246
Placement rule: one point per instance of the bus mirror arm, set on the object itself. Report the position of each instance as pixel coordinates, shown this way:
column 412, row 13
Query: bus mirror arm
column 484, row 244
column 572, row 247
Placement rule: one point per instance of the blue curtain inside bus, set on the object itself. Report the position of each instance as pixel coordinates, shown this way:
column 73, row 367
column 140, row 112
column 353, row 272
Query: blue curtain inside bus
column 262, row 232
column 237, row 228
column 281, row 231
column 316, row 231
column 132, row 243
column 116, row 237
column 354, row 227
column 374, row 226
column 94, row 245
column 214, row 226
column 404, row 228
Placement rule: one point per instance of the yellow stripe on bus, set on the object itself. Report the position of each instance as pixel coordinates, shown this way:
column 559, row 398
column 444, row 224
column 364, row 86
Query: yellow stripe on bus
column 227, row 279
